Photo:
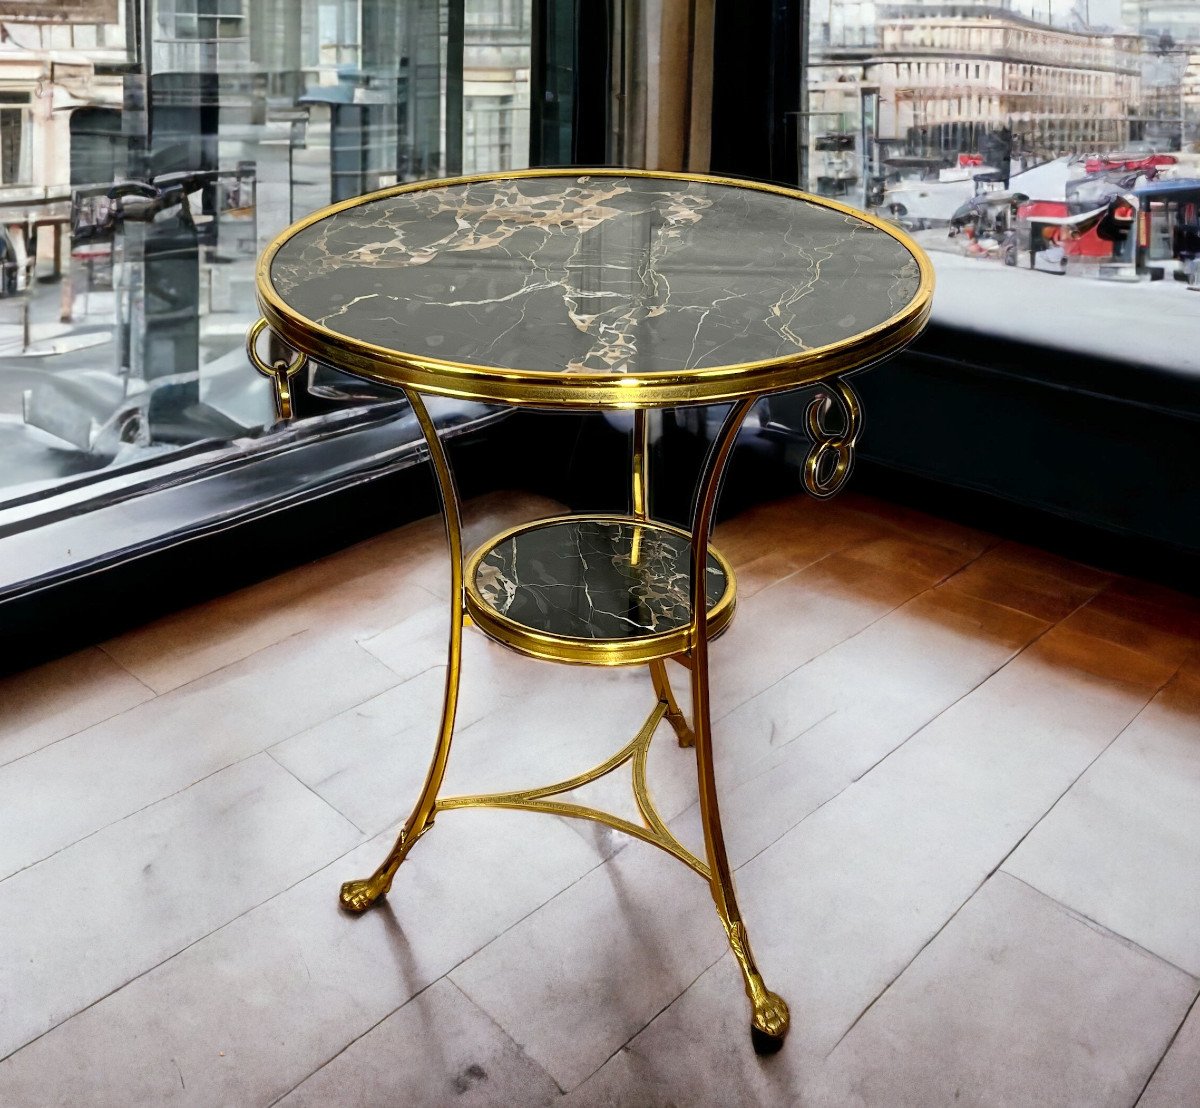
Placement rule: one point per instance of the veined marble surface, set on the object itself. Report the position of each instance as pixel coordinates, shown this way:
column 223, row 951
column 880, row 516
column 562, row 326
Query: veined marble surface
column 595, row 274
column 584, row 579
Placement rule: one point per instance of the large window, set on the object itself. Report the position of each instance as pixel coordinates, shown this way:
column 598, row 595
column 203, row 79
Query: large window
column 14, row 139
column 150, row 150
column 1046, row 155
column 201, row 34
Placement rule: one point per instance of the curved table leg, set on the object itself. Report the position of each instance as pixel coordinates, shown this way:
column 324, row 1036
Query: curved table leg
column 769, row 1023
column 358, row 896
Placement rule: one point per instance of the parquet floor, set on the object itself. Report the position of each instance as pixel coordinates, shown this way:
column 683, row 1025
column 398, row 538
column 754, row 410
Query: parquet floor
column 961, row 785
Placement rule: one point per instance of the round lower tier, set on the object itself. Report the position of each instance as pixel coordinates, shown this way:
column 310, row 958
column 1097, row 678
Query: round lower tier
column 606, row 590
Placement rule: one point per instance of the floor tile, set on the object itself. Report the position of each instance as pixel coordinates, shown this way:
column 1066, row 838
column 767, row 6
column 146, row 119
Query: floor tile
column 799, row 530
column 801, row 741
column 250, row 1011
column 356, row 593
column 369, row 761
column 483, row 518
column 914, row 524
column 765, row 570
column 486, row 516
column 541, row 722
column 66, row 791
column 596, row 714
column 1142, row 602
column 52, row 701
column 784, row 626
column 1017, row 1001
column 1028, row 580
column 420, row 547
column 1079, row 644
column 898, row 554
column 859, row 886
column 94, row 916
column 439, row 1048
column 1114, row 622
column 414, row 644
column 698, row 1052
column 892, row 718
column 1176, row 1082
column 1121, row 846
column 520, row 723
column 581, row 975
column 334, row 597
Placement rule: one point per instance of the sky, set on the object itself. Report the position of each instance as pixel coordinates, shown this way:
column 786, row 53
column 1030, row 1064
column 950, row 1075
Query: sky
column 1102, row 11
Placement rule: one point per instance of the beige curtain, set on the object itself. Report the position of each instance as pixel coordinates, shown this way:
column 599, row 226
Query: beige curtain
column 662, row 87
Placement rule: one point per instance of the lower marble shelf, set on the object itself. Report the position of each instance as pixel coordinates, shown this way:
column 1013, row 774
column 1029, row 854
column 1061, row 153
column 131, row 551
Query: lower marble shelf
column 593, row 590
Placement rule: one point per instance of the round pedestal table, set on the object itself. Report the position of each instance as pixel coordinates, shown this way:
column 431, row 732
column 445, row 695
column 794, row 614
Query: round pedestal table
column 600, row 290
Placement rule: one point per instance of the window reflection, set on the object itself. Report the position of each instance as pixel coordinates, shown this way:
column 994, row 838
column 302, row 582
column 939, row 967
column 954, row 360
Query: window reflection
column 150, row 149
column 1012, row 136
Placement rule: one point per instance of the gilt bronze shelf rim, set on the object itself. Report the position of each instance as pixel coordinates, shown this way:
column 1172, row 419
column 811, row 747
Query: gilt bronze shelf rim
column 590, row 390
column 547, row 646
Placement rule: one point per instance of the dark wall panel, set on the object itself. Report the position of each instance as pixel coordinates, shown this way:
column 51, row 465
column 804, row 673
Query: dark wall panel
column 756, row 89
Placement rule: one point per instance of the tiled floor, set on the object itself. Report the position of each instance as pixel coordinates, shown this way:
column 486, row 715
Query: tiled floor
column 961, row 783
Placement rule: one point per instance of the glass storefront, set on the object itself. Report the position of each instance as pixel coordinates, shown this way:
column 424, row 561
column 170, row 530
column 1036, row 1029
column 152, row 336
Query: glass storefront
column 150, row 149
column 1046, row 155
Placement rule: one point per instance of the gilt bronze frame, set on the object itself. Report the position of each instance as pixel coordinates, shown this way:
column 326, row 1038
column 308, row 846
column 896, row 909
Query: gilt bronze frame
column 825, row 470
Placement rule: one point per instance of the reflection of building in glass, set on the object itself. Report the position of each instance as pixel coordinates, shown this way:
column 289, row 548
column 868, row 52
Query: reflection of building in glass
column 1170, row 31
column 201, row 35
column 1171, row 101
column 1178, row 18
column 843, row 23
column 48, row 72
column 496, row 85
column 955, row 79
column 938, row 79
column 149, row 149
column 1189, row 96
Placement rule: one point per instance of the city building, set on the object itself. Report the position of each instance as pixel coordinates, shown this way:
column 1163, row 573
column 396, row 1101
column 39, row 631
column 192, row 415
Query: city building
column 496, row 67
column 49, row 73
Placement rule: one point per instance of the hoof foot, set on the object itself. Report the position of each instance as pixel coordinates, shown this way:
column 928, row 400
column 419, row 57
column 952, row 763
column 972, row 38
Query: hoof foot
column 770, row 1025
column 682, row 731
column 358, row 896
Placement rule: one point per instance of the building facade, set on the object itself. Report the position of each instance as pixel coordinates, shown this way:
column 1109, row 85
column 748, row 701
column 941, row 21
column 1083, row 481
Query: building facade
column 955, row 77
column 48, row 71
column 942, row 79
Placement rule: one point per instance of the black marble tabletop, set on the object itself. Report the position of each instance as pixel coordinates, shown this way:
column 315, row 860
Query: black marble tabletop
column 594, row 579
column 598, row 274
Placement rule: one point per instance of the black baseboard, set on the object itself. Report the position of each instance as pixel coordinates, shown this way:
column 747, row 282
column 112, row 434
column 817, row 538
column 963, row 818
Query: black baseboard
column 1113, row 551
column 582, row 461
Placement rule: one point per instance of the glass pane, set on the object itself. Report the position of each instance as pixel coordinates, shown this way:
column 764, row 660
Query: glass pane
column 496, row 61
column 1022, row 142
column 127, row 257
column 12, row 145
